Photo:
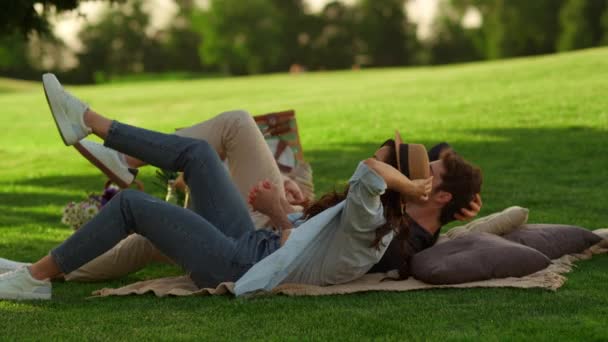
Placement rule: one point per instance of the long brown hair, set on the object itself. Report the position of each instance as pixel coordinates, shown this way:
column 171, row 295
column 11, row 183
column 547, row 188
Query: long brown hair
column 396, row 221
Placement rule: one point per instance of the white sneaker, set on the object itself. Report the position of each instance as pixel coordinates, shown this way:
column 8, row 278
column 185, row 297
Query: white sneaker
column 107, row 160
column 9, row 265
column 68, row 111
column 20, row 285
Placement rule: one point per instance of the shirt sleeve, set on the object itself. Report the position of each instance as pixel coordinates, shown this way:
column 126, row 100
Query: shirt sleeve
column 363, row 211
column 296, row 219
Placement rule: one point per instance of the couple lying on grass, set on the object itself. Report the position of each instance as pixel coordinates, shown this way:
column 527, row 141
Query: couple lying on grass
column 394, row 206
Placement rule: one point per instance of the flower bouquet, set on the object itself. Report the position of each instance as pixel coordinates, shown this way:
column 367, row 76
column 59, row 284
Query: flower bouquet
column 76, row 214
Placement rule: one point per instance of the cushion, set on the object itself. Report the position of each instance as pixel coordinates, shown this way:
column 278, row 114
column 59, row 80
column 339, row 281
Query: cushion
column 498, row 223
column 475, row 257
column 554, row 240
column 603, row 233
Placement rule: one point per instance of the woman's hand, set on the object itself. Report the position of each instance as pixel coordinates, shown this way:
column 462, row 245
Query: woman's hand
column 395, row 180
column 467, row 214
column 422, row 188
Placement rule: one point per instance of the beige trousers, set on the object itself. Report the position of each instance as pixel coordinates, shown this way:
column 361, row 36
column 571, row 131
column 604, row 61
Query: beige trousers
column 238, row 140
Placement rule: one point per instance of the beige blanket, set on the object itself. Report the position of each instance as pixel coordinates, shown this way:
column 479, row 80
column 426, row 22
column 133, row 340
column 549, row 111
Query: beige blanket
column 550, row 278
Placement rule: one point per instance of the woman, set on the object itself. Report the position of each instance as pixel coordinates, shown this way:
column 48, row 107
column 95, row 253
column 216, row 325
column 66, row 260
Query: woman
column 215, row 241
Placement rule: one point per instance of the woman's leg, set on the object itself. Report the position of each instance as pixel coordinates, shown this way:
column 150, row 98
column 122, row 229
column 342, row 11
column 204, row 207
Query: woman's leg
column 185, row 237
column 213, row 194
column 75, row 121
column 230, row 134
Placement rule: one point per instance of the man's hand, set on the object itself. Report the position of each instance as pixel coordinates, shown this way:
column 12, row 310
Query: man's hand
column 467, row 214
column 293, row 194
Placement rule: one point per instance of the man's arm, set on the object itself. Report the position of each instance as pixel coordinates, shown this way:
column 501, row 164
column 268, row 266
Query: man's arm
column 474, row 208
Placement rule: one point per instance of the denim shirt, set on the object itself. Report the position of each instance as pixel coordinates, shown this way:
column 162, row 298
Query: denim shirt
column 332, row 247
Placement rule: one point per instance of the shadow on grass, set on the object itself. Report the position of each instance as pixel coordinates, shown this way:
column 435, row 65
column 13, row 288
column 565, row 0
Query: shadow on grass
column 33, row 199
column 559, row 173
column 19, row 208
column 68, row 182
column 10, row 217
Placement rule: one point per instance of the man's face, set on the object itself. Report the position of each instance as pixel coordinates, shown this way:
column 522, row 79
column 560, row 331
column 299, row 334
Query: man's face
column 437, row 169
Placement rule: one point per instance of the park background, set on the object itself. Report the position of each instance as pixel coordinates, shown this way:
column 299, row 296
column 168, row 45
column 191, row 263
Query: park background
column 517, row 101
column 103, row 41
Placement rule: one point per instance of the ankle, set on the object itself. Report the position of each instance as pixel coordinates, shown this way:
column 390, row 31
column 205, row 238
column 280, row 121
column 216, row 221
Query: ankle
column 35, row 275
column 88, row 118
column 130, row 161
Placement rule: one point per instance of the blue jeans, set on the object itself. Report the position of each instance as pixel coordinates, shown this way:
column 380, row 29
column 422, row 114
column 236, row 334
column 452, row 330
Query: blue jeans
column 215, row 240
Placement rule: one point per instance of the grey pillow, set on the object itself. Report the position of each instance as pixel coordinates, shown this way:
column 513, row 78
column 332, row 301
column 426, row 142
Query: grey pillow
column 476, row 256
column 554, row 240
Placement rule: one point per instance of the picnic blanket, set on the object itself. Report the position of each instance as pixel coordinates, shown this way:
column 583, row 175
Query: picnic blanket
column 551, row 278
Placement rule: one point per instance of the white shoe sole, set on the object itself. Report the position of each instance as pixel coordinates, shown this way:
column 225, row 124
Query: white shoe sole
column 61, row 121
column 101, row 166
column 22, row 296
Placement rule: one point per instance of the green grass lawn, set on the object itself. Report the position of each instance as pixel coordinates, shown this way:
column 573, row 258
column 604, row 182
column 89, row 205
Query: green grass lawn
column 538, row 127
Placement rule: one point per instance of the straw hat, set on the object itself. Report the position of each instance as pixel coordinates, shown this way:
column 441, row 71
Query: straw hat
column 412, row 159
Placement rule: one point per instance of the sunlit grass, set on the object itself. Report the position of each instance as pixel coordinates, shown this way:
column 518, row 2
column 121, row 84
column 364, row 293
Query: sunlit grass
column 538, row 127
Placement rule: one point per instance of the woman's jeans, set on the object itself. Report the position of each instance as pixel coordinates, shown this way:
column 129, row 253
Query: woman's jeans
column 215, row 241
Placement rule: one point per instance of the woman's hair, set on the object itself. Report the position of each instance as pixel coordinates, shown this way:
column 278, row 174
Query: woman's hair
column 396, row 221
column 462, row 180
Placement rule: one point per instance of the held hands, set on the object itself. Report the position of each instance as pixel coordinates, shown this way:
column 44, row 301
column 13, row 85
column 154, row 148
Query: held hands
column 467, row 214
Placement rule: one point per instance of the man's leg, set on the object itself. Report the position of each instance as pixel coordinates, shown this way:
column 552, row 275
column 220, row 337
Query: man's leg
column 236, row 137
column 129, row 256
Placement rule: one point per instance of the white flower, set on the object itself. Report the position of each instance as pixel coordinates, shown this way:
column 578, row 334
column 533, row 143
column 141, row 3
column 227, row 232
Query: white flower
column 90, row 211
column 77, row 214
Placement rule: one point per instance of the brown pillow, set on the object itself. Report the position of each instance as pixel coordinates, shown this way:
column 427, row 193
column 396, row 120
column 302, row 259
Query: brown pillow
column 474, row 257
column 554, row 240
